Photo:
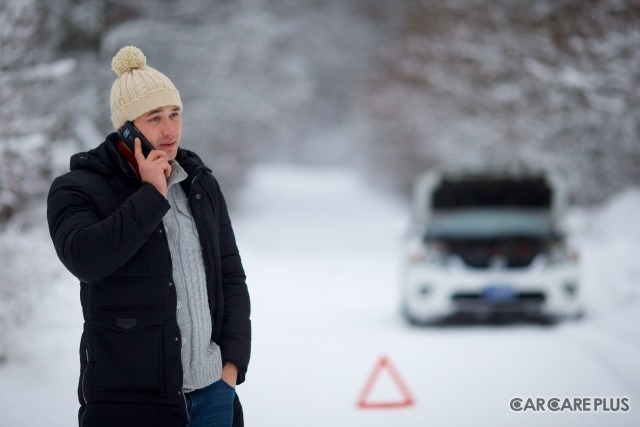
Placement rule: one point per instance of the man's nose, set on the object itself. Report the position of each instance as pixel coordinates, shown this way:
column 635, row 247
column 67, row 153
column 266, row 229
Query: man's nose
column 169, row 129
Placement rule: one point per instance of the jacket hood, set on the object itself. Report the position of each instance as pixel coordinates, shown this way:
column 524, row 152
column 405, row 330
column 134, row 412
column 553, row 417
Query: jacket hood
column 104, row 159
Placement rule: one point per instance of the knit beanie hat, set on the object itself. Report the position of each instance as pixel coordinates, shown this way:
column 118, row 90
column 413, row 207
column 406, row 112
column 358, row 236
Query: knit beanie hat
column 138, row 88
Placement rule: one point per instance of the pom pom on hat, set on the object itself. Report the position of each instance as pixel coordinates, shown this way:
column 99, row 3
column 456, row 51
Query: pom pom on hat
column 127, row 59
column 138, row 87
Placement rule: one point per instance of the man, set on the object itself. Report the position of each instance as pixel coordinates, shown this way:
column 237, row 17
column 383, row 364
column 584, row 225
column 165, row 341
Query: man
column 167, row 331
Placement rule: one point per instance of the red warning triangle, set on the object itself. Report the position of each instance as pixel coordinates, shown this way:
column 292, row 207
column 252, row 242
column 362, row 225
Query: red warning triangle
column 404, row 401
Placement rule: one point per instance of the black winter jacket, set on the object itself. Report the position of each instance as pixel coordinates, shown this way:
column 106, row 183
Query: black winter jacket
column 107, row 230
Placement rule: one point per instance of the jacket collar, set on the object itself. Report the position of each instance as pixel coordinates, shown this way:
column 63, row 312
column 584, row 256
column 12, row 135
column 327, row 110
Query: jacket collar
column 106, row 160
column 193, row 165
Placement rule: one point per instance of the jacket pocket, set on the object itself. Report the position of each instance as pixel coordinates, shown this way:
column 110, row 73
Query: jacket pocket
column 128, row 348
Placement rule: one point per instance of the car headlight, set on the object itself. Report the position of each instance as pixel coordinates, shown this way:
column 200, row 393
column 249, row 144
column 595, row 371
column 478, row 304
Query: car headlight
column 561, row 253
column 435, row 253
column 429, row 253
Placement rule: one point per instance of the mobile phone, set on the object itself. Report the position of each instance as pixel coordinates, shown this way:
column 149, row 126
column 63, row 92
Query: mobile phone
column 128, row 133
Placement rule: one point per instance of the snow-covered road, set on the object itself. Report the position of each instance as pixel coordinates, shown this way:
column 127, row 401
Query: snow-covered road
column 321, row 252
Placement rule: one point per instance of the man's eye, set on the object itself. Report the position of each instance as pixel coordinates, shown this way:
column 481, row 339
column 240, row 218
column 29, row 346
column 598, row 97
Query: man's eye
column 154, row 119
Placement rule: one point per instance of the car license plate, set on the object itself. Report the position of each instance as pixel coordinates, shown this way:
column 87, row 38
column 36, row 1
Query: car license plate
column 498, row 293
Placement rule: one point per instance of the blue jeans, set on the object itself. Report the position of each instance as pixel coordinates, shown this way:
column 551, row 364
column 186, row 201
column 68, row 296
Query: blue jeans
column 211, row 406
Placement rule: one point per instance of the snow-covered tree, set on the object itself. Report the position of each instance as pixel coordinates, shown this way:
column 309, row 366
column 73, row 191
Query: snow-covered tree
column 552, row 83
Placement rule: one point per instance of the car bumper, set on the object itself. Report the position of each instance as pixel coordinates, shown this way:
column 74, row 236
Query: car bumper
column 437, row 292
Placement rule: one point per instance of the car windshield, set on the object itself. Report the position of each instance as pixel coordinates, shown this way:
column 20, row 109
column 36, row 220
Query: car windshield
column 483, row 223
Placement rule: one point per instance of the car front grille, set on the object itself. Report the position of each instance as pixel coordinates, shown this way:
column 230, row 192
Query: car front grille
column 522, row 302
column 538, row 297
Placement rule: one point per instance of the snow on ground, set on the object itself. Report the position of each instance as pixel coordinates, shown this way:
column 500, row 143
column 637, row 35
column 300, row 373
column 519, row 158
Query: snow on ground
column 321, row 252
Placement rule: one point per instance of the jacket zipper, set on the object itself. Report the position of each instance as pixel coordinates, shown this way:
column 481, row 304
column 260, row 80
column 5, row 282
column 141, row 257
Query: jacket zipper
column 82, row 378
column 181, row 392
column 186, row 408
column 84, row 371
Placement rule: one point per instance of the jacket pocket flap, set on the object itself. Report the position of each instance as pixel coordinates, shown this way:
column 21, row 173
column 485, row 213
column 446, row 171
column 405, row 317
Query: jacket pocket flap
column 127, row 319
column 125, row 323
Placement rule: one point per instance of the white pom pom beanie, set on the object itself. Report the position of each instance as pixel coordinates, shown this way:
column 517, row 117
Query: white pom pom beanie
column 138, row 88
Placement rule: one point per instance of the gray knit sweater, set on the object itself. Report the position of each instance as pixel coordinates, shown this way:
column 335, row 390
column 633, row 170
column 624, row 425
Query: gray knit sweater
column 201, row 358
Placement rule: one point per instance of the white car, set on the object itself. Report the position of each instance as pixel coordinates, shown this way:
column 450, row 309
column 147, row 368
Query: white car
column 486, row 243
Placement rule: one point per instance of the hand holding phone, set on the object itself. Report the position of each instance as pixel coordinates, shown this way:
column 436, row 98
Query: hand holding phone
column 151, row 165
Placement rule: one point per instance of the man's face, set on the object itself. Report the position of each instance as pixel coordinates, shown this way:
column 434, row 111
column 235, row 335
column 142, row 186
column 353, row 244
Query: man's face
column 163, row 128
